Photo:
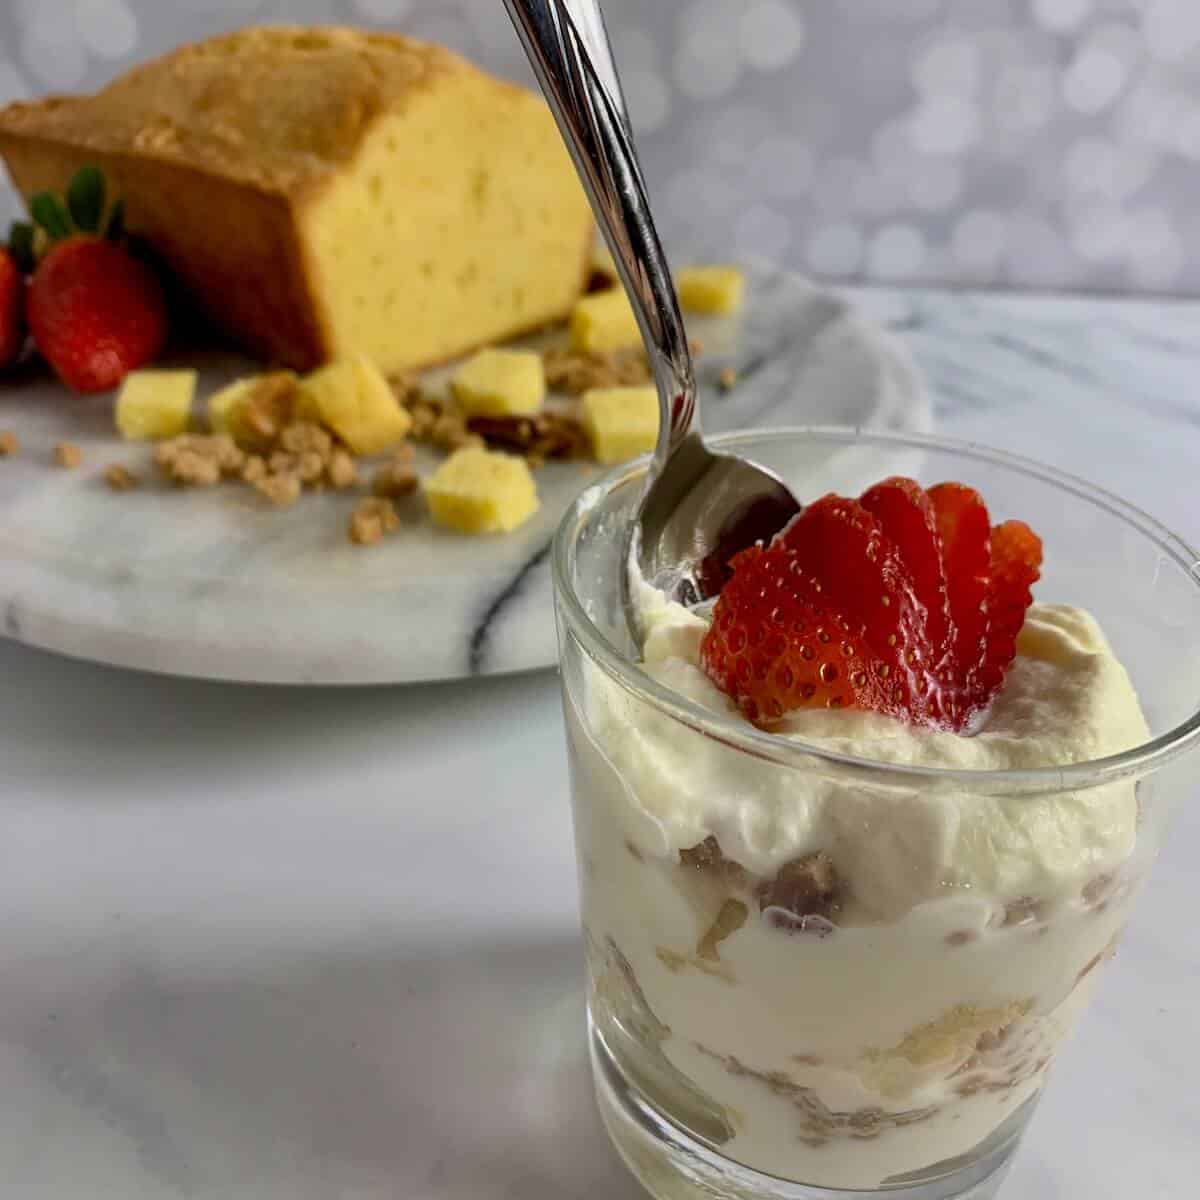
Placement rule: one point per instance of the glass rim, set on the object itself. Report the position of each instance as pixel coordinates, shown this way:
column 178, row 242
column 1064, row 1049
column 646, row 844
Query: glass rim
column 788, row 751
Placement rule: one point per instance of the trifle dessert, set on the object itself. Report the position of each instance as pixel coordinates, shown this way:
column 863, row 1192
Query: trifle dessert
column 838, row 925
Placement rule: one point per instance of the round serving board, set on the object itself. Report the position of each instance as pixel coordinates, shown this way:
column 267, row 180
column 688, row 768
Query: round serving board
column 212, row 583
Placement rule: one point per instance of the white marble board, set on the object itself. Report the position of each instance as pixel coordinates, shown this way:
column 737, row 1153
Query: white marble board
column 215, row 584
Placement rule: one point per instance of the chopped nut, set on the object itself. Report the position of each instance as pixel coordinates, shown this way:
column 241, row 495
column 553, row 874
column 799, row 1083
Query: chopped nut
column 9, row 443
column 547, row 435
column 68, row 455
column 806, row 887
column 281, row 489
column 394, row 480
column 403, row 453
column 727, row 379
column 372, row 520
column 340, row 470
column 120, row 479
column 199, row 459
column 577, row 371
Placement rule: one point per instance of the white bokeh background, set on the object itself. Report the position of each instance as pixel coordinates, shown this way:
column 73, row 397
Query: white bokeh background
column 1033, row 143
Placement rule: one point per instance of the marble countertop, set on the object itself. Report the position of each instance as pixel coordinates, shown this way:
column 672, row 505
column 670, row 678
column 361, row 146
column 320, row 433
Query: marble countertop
column 321, row 945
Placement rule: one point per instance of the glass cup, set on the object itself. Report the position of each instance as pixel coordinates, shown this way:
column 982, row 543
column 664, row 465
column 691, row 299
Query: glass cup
column 747, row 1039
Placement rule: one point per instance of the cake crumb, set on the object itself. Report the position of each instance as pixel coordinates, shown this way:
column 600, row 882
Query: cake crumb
column 67, row 455
column 120, row 479
column 9, row 443
column 727, row 379
column 373, row 519
column 394, row 480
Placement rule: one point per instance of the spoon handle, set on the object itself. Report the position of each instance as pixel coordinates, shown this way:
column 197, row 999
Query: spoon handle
column 568, row 48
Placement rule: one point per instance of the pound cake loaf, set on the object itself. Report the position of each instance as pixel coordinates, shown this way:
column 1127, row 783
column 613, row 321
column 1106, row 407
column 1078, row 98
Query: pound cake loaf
column 325, row 192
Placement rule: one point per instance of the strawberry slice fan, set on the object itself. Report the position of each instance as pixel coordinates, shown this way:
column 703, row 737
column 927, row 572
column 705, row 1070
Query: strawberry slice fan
column 905, row 601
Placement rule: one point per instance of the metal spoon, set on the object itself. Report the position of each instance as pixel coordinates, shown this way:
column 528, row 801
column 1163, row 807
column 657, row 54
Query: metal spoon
column 699, row 508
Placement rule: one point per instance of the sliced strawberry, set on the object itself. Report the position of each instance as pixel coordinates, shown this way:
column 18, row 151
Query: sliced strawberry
column 774, row 645
column 1015, row 568
column 906, row 516
column 965, row 530
column 842, row 546
column 905, row 602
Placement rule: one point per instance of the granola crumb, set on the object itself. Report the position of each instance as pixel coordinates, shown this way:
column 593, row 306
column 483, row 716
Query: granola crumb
column 424, row 410
column 67, row 455
column 9, row 443
column 306, row 437
column 120, row 479
column 394, row 480
column 310, row 466
column 577, row 371
column 200, row 459
column 254, row 468
column 372, row 520
column 405, row 387
column 450, row 433
column 727, row 379
column 340, row 470
column 281, row 488
column 269, row 407
column 805, row 887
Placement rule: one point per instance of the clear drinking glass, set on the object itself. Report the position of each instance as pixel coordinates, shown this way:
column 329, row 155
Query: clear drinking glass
column 740, row 1050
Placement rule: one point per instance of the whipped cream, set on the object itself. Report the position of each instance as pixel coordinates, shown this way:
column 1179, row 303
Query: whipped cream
column 917, row 1024
column 1067, row 699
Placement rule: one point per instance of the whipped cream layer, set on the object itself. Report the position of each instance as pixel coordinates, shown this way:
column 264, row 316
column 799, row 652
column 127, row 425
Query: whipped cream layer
column 1067, row 699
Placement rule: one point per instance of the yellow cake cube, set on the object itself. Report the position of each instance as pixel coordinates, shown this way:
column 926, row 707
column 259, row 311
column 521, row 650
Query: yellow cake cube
column 155, row 404
column 714, row 290
column 482, row 491
column 604, row 321
column 500, row 383
column 222, row 406
column 621, row 421
column 353, row 399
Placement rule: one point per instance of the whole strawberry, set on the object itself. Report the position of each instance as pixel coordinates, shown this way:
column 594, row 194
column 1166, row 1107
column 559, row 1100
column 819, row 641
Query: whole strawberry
column 95, row 311
column 12, row 308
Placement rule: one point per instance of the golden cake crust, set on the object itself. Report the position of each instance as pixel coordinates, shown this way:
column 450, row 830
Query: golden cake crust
column 272, row 106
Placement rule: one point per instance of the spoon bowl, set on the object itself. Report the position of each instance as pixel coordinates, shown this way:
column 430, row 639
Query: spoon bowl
column 700, row 508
